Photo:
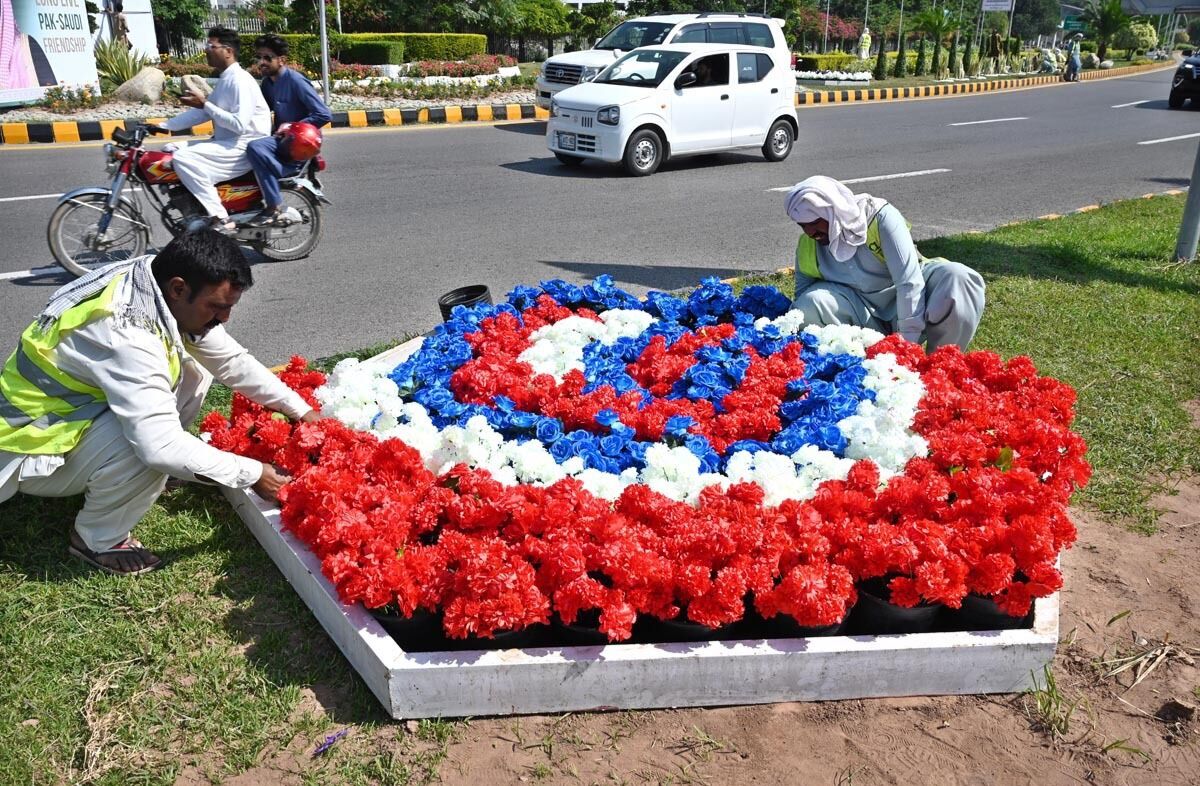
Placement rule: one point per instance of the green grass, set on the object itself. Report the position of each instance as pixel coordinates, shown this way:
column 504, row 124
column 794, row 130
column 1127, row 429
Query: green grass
column 212, row 664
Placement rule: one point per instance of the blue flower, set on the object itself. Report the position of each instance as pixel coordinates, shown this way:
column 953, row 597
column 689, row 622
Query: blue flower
column 549, row 430
column 666, row 307
column 563, row 292
column 607, row 417
column 763, row 301
column 677, row 425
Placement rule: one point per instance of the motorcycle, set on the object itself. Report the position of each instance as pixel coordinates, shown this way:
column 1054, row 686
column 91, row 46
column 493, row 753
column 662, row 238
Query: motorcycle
column 95, row 226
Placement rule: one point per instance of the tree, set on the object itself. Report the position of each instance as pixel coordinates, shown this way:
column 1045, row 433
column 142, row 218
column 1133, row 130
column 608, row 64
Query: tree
column 968, row 54
column 182, row 18
column 938, row 24
column 1032, row 18
column 881, row 70
column 1138, row 37
column 922, row 64
column 273, row 14
column 1104, row 19
column 596, row 19
column 546, row 19
column 900, row 70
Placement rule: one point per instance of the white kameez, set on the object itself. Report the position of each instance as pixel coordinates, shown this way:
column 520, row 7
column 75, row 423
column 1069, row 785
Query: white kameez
column 123, row 460
column 239, row 115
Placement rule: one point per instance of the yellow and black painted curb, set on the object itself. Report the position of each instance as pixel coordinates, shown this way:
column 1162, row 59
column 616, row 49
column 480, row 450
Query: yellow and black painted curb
column 814, row 97
column 99, row 130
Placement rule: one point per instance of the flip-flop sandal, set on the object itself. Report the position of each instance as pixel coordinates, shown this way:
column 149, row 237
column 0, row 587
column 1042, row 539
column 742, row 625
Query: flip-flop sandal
column 128, row 551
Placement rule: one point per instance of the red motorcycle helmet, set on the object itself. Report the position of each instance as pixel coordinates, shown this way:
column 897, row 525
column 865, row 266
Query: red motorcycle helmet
column 300, row 141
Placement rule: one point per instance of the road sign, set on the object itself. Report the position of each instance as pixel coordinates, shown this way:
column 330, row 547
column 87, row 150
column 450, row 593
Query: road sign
column 998, row 5
column 1073, row 24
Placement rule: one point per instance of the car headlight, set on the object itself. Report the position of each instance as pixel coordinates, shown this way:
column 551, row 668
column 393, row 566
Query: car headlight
column 589, row 73
column 553, row 107
column 609, row 115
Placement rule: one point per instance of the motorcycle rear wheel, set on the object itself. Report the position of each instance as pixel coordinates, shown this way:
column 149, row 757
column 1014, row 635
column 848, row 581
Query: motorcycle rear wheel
column 72, row 234
column 305, row 240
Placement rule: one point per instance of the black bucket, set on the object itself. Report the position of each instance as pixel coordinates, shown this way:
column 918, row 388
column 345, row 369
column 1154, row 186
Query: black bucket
column 468, row 296
column 876, row 615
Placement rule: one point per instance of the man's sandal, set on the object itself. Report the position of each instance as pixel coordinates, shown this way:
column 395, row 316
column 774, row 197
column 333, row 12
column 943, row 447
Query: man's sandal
column 127, row 558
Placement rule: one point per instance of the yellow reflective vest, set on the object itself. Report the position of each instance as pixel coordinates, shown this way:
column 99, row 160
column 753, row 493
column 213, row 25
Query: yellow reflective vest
column 44, row 410
column 806, row 250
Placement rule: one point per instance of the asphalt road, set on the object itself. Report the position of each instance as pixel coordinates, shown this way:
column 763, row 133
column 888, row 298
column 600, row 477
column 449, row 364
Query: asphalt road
column 421, row 210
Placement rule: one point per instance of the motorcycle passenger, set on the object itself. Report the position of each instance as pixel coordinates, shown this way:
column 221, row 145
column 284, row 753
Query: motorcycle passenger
column 239, row 114
column 292, row 98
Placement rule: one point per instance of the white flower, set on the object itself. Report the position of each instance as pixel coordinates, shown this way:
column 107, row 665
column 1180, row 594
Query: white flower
column 557, row 349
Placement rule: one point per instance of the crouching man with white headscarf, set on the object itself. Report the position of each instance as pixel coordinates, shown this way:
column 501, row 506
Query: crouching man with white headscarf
column 856, row 264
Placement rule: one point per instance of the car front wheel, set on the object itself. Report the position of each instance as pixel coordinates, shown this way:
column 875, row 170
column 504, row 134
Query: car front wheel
column 779, row 141
column 643, row 153
column 1175, row 100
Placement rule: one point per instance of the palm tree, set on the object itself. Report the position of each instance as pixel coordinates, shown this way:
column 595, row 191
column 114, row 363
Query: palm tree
column 1104, row 19
column 938, row 24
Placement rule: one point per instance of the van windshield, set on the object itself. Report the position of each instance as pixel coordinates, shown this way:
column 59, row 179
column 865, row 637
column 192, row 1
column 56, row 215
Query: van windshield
column 631, row 35
column 647, row 68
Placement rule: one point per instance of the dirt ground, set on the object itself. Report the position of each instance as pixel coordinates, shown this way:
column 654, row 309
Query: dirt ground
column 1126, row 595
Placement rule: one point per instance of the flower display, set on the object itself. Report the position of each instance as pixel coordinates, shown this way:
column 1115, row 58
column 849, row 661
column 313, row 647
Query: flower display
column 577, row 450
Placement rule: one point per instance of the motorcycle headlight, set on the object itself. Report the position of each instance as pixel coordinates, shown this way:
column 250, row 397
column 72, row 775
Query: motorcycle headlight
column 553, row 107
column 589, row 73
column 609, row 115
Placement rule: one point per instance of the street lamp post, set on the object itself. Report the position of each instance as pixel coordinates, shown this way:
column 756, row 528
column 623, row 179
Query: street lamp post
column 324, row 54
column 825, row 45
column 1189, row 228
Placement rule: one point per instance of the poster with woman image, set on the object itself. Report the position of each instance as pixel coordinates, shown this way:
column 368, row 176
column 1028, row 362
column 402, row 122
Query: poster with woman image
column 43, row 43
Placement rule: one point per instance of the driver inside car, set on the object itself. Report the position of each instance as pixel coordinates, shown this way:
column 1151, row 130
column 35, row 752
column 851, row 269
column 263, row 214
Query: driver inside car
column 239, row 114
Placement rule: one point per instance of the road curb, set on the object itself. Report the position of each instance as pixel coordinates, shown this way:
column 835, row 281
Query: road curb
column 818, row 97
column 68, row 131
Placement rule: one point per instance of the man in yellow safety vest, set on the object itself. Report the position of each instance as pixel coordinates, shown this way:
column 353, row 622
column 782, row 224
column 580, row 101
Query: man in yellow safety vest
column 98, row 395
column 856, row 264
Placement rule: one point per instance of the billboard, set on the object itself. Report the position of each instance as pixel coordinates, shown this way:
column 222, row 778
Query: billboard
column 998, row 5
column 43, row 43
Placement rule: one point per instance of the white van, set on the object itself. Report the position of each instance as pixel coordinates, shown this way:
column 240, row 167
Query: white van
column 673, row 100
column 572, row 68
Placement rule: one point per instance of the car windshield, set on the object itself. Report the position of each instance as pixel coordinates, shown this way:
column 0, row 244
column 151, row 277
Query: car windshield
column 631, row 35
column 647, row 68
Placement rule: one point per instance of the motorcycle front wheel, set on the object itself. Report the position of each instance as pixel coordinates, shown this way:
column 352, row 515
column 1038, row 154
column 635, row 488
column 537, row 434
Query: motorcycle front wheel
column 74, row 234
column 307, row 231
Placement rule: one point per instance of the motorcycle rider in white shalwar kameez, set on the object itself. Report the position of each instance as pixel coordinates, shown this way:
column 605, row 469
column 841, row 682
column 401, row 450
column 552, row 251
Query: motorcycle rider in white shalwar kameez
column 239, row 115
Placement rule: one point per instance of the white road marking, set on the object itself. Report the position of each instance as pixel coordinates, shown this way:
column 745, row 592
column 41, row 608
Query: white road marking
column 1168, row 139
column 32, row 273
column 994, row 120
column 878, row 177
column 1132, row 103
column 42, row 196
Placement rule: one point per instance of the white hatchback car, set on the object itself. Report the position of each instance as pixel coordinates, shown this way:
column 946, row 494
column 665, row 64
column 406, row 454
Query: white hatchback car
column 672, row 100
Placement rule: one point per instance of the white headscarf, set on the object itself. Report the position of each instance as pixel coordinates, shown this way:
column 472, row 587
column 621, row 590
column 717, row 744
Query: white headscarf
column 846, row 212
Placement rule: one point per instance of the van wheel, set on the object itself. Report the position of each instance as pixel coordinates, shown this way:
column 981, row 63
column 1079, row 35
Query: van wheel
column 643, row 153
column 779, row 141
column 1175, row 100
column 567, row 160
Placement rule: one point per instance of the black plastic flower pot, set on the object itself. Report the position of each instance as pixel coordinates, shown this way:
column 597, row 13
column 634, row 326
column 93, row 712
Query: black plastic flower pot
column 422, row 632
column 980, row 613
column 583, row 632
column 656, row 631
column 471, row 295
column 876, row 615
column 781, row 626
column 533, row 636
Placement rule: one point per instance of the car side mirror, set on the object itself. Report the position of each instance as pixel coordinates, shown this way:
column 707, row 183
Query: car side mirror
column 686, row 79
column 1186, row 53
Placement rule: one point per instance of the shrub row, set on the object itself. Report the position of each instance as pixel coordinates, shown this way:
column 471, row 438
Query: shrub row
column 374, row 48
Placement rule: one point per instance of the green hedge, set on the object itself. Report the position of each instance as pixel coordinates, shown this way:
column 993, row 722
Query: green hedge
column 841, row 61
column 431, row 46
column 306, row 47
column 373, row 52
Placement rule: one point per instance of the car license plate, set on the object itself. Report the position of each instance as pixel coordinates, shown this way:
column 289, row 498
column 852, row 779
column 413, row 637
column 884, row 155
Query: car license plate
column 566, row 141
